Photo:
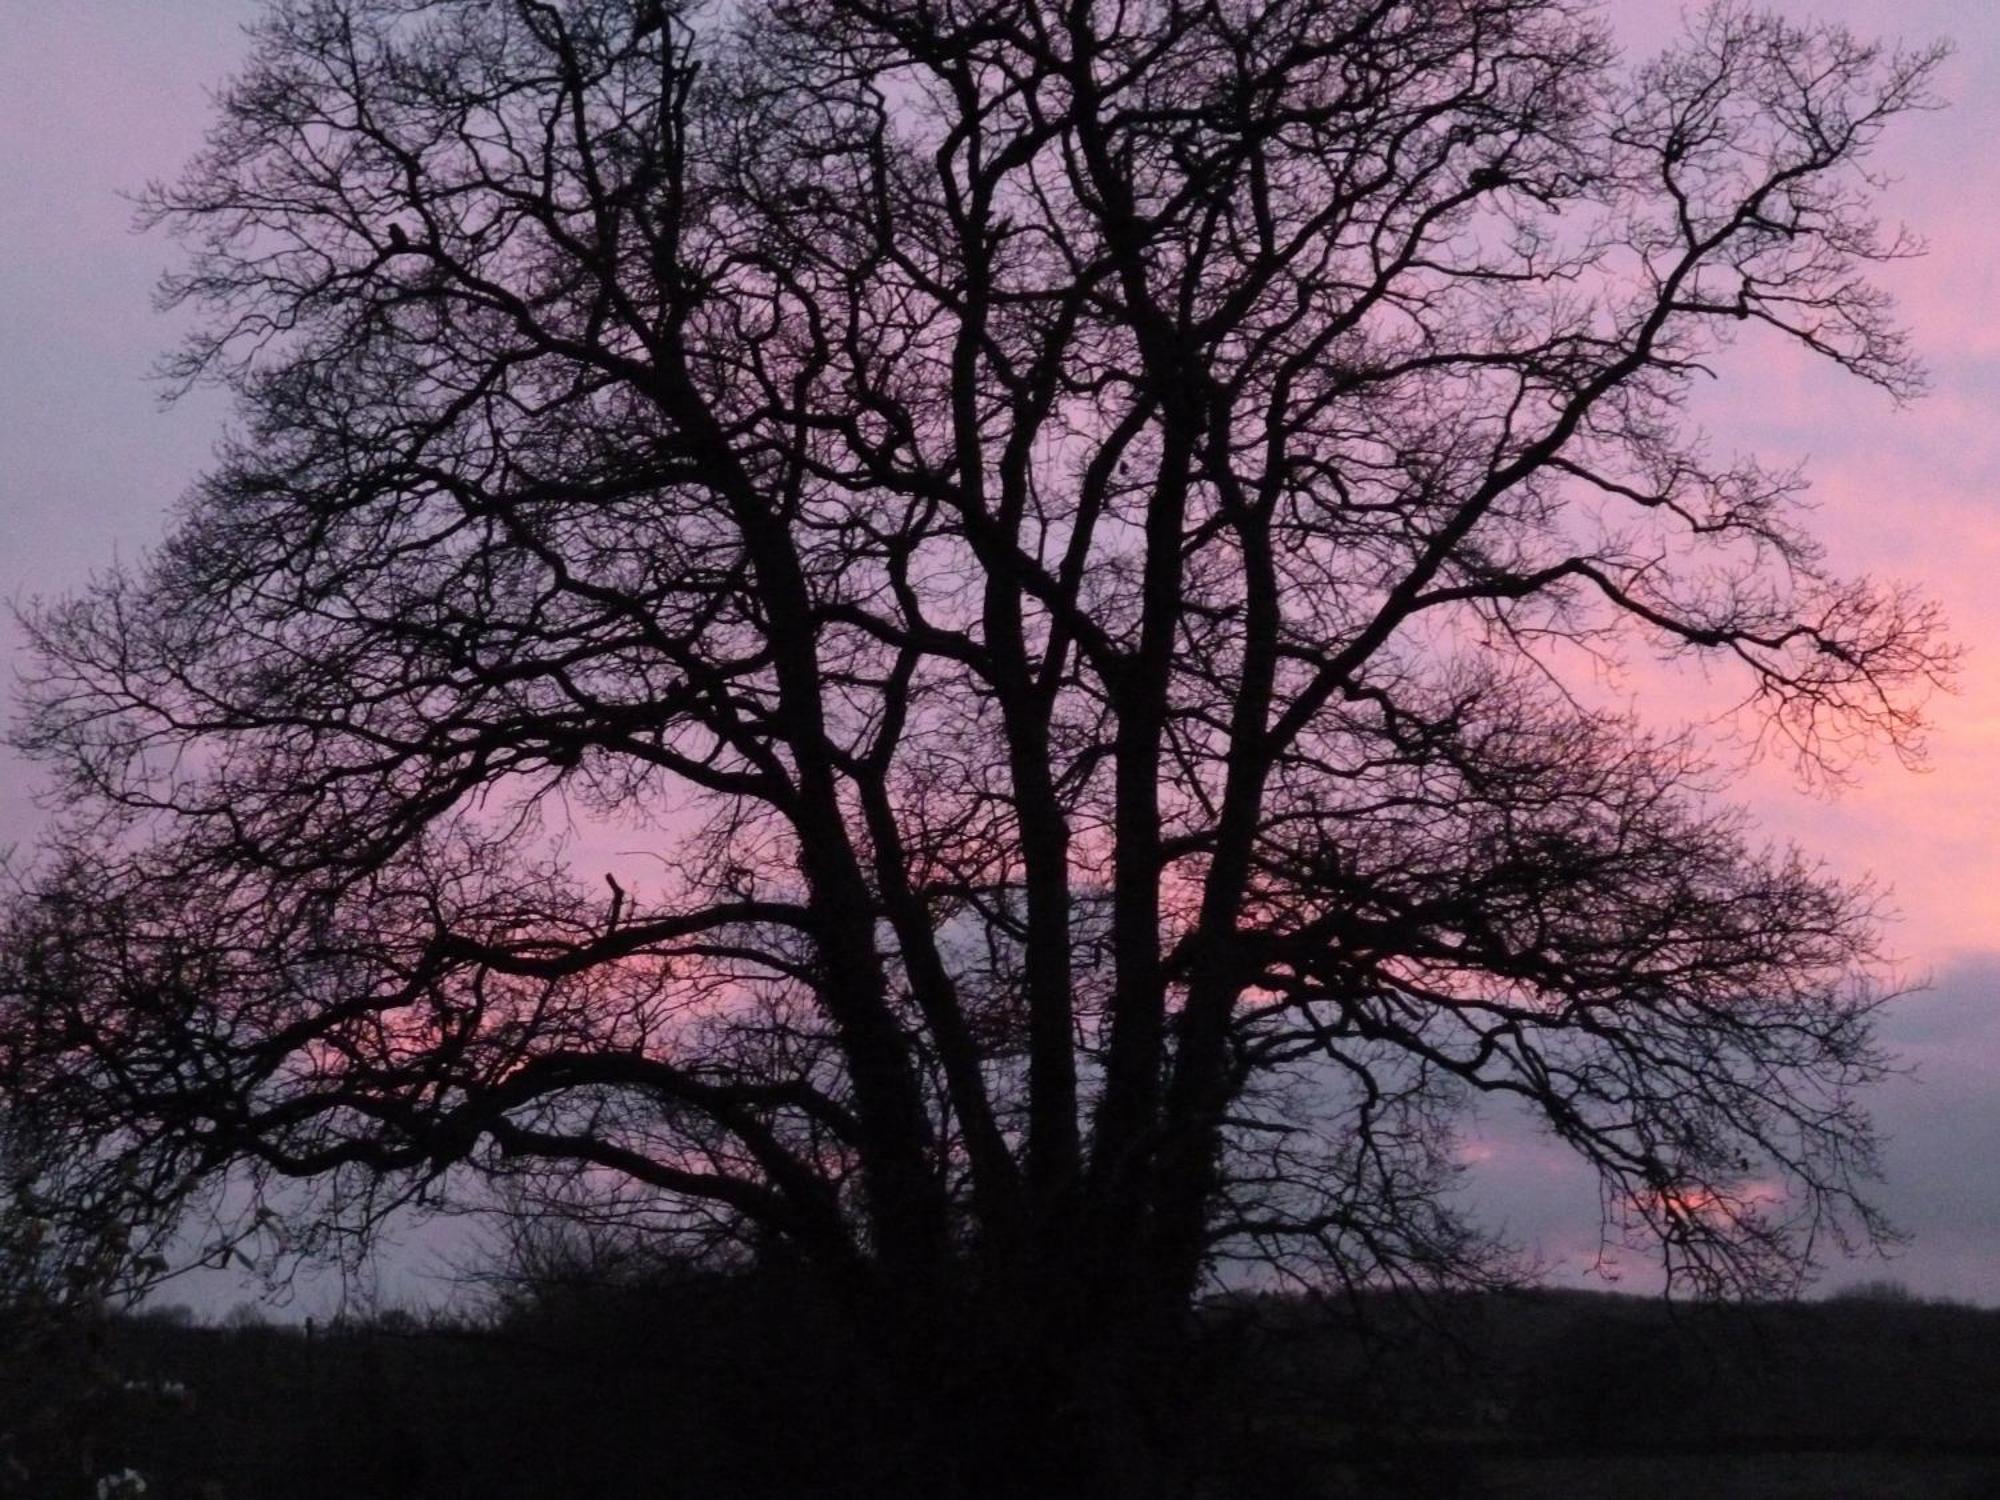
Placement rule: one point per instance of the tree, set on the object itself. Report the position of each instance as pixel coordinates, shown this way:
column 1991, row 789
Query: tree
column 1081, row 536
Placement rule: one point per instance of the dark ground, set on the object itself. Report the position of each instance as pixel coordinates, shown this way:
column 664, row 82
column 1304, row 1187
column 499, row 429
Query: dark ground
column 715, row 1389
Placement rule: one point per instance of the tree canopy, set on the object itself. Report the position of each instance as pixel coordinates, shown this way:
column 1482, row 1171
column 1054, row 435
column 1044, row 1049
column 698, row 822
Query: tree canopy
column 1079, row 539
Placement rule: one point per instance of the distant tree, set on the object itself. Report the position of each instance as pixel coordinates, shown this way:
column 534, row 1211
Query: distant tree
column 1883, row 1291
column 1080, row 536
column 542, row 1257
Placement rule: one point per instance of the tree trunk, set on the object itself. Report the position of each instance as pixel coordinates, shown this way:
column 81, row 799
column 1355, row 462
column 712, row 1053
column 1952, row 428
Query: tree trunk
column 1074, row 1394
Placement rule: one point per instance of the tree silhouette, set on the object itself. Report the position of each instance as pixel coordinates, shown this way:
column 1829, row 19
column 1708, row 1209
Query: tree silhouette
column 1082, row 536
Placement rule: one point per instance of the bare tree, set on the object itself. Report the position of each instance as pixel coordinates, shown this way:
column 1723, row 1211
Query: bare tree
column 1081, row 535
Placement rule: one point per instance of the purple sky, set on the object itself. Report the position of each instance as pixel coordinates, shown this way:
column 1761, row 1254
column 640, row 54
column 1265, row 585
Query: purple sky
column 96, row 96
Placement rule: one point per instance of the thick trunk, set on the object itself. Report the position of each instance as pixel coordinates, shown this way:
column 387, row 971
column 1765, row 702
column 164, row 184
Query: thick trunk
column 1032, row 1389
column 1076, row 1417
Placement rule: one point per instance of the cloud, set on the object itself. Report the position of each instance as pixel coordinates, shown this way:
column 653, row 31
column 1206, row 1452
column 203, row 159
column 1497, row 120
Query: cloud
column 1940, row 1122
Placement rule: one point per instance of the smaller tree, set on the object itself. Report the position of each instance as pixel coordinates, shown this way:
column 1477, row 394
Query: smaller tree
column 74, row 1248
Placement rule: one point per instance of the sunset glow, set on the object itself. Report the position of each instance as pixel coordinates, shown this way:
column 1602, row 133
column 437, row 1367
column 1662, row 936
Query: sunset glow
column 89, row 470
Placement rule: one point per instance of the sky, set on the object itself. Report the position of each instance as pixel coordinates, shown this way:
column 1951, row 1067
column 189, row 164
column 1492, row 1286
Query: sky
column 98, row 96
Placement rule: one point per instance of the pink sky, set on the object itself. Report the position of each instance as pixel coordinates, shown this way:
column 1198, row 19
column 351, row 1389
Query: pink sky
column 97, row 97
